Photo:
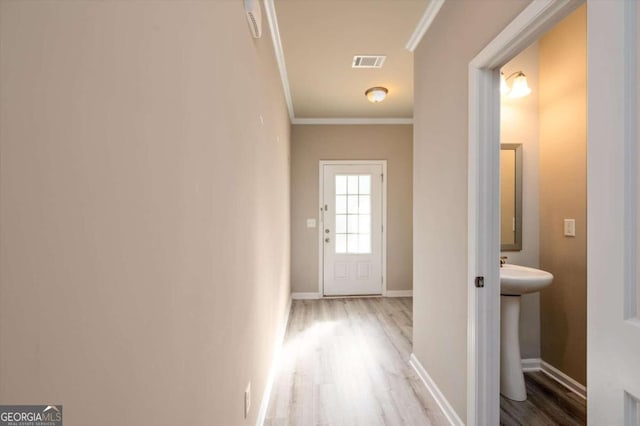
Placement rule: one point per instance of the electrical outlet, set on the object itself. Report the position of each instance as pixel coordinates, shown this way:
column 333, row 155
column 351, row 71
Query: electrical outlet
column 570, row 227
column 247, row 400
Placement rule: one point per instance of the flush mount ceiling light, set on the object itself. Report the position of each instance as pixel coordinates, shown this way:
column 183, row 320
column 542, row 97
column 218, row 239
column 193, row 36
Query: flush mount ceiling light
column 518, row 89
column 376, row 94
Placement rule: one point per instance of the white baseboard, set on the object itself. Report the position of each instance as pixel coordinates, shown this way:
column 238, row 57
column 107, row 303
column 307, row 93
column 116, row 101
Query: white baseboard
column 564, row 380
column 399, row 293
column 431, row 386
column 304, row 296
column 266, row 396
column 537, row 364
column 531, row 364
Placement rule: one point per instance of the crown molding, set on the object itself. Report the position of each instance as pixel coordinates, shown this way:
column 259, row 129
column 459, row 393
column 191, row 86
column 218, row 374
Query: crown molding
column 270, row 11
column 425, row 22
column 347, row 121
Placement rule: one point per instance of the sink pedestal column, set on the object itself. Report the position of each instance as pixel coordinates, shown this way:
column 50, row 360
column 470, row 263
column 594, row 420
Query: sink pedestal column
column 511, row 377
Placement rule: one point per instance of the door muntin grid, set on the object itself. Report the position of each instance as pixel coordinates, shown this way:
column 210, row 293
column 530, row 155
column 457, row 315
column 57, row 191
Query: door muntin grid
column 353, row 214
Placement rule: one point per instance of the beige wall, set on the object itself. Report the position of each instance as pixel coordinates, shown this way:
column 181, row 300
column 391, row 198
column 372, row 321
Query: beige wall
column 563, row 115
column 144, row 210
column 519, row 123
column 441, row 73
column 312, row 143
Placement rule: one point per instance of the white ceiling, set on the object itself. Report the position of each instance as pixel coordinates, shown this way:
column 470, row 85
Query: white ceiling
column 319, row 39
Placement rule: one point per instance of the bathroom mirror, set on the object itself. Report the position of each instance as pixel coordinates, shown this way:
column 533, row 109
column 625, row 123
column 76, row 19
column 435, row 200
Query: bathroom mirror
column 511, row 197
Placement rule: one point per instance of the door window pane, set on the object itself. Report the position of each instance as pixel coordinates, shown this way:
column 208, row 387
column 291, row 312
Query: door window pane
column 364, row 224
column 353, row 184
column 353, row 204
column 352, row 224
column 341, row 204
column 341, row 184
column 353, row 214
column 365, row 204
column 341, row 224
column 352, row 243
column 364, row 185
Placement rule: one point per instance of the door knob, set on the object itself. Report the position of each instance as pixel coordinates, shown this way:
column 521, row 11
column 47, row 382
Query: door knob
column 326, row 240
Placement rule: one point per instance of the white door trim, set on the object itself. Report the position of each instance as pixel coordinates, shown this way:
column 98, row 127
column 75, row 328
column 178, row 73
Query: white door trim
column 323, row 163
column 483, row 337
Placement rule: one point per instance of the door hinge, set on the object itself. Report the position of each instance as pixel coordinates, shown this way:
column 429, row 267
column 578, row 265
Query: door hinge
column 479, row 282
column 382, row 177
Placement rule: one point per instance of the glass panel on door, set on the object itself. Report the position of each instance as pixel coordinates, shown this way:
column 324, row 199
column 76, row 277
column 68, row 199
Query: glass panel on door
column 353, row 214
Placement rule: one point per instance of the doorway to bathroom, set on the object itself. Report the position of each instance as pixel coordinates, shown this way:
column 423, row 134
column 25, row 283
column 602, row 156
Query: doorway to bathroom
column 511, row 108
column 351, row 232
column 543, row 228
column 612, row 210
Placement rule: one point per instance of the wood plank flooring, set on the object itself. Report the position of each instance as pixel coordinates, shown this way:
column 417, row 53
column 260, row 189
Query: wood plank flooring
column 548, row 403
column 345, row 362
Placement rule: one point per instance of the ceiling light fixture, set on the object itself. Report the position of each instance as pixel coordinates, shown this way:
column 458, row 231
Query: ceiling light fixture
column 376, row 94
column 520, row 87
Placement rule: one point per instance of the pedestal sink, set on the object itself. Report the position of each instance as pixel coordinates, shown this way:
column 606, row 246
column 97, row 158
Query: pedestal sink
column 514, row 282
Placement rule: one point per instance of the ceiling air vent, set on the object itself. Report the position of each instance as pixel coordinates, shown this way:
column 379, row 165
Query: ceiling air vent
column 368, row 61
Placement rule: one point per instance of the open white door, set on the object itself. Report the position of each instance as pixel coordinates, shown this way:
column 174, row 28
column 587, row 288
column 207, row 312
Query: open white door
column 613, row 348
column 352, row 228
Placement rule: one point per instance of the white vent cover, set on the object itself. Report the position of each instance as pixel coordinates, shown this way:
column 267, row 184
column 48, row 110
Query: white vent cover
column 368, row 61
column 254, row 17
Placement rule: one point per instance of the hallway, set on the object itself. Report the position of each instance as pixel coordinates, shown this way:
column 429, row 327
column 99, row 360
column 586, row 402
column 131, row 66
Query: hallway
column 346, row 361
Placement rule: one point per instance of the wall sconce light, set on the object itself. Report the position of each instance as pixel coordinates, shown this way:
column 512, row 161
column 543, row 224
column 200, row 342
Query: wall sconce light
column 376, row 94
column 518, row 89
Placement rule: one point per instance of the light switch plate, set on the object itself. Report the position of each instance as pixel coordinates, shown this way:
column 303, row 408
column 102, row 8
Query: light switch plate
column 311, row 223
column 569, row 227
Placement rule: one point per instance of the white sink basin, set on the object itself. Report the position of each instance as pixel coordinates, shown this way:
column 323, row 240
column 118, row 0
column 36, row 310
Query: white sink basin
column 516, row 280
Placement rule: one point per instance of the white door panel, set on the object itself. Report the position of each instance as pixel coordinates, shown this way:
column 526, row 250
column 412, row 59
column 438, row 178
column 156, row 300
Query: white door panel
column 352, row 229
column 613, row 352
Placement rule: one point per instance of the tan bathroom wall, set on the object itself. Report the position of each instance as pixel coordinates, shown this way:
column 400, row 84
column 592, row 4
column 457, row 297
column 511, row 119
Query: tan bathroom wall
column 144, row 210
column 440, row 147
column 519, row 123
column 563, row 126
column 312, row 143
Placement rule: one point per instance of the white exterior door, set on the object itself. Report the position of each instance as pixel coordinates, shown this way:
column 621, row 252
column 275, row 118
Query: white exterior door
column 352, row 228
column 613, row 330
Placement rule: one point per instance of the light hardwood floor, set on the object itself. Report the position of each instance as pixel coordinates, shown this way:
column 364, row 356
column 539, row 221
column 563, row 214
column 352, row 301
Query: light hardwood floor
column 345, row 362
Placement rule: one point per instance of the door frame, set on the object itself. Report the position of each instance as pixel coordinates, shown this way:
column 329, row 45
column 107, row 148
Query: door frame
column 483, row 332
column 321, row 165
